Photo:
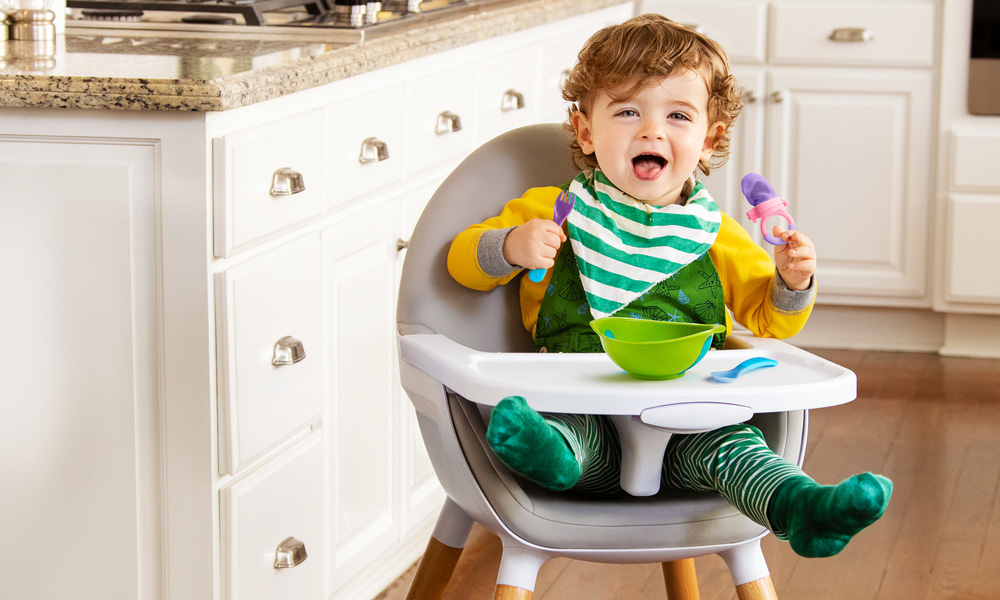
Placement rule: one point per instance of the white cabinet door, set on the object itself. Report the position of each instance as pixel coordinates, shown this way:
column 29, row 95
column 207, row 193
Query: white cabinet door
column 79, row 370
column 421, row 495
column 970, row 225
column 850, row 151
column 361, row 420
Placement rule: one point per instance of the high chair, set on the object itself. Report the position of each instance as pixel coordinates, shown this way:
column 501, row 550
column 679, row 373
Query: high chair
column 462, row 351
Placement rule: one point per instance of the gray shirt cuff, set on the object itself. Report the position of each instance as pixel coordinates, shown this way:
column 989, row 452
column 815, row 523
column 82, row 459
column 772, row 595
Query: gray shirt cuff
column 490, row 253
column 791, row 301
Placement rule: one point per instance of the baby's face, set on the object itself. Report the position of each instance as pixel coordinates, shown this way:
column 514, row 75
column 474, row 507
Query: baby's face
column 650, row 143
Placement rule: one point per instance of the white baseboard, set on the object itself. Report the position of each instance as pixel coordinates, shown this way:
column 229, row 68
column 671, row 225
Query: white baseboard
column 370, row 582
column 901, row 330
column 873, row 328
column 971, row 335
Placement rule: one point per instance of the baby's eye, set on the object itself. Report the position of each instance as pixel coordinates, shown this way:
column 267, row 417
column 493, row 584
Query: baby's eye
column 679, row 116
column 627, row 112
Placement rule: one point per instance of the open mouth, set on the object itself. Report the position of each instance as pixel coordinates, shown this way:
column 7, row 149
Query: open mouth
column 648, row 166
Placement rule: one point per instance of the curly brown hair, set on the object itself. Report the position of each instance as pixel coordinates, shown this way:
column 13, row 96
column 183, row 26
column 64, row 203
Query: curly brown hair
column 641, row 51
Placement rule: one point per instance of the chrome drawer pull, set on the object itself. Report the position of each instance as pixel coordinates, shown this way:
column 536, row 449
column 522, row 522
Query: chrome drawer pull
column 373, row 150
column 750, row 96
column 402, row 244
column 447, row 122
column 290, row 553
column 512, row 100
column 286, row 182
column 288, row 351
column 852, row 34
column 776, row 97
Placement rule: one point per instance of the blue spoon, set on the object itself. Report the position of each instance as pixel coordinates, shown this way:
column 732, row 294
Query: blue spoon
column 751, row 364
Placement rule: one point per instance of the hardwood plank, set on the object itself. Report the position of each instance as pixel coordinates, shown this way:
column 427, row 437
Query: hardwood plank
column 988, row 575
column 968, row 515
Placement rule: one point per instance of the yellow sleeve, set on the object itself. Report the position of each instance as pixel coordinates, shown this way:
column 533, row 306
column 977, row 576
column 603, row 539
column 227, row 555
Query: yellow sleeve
column 754, row 291
column 464, row 254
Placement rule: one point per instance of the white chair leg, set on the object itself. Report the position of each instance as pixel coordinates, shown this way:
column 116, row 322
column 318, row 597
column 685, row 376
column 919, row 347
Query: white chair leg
column 519, row 569
column 749, row 571
column 453, row 525
column 443, row 551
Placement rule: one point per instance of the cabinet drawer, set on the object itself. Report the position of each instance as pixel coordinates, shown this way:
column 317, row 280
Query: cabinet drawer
column 249, row 206
column 506, row 93
column 284, row 499
column 737, row 25
column 438, row 106
column 889, row 34
column 366, row 145
column 258, row 304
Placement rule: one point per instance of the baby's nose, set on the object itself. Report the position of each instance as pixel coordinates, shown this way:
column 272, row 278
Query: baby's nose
column 652, row 129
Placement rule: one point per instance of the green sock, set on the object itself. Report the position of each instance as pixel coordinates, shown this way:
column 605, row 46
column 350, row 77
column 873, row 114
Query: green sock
column 821, row 519
column 530, row 446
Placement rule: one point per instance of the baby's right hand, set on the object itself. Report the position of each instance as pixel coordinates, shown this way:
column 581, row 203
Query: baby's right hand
column 534, row 245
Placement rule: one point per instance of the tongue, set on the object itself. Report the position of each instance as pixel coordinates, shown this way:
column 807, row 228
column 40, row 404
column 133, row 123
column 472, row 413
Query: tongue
column 647, row 167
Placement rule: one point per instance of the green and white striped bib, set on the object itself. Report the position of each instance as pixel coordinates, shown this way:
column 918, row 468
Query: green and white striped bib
column 624, row 247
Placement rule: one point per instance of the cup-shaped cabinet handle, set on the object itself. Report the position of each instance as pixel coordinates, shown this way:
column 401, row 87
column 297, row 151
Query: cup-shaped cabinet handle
column 512, row 100
column 447, row 122
column 373, row 150
column 290, row 553
column 851, row 34
column 288, row 351
column 286, row 182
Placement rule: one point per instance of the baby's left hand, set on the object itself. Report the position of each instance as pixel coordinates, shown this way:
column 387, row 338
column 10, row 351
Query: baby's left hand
column 796, row 260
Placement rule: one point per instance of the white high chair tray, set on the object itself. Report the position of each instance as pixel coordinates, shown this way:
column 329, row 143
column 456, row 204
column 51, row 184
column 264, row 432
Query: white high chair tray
column 593, row 384
column 645, row 413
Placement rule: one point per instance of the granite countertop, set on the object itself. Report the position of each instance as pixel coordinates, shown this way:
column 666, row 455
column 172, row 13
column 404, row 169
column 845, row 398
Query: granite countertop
column 134, row 70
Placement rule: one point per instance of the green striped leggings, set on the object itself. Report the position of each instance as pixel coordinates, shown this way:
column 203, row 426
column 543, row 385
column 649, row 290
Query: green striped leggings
column 733, row 461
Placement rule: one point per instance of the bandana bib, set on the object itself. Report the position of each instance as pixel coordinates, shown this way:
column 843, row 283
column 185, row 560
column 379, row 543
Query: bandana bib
column 624, row 247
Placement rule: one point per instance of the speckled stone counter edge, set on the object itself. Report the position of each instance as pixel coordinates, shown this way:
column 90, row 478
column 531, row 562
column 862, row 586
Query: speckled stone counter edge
column 277, row 80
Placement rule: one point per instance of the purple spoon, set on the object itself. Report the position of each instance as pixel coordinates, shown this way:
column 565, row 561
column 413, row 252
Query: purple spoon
column 564, row 206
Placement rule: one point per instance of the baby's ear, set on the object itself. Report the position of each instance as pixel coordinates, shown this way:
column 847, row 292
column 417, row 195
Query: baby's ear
column 714, row 131
column 584, row 133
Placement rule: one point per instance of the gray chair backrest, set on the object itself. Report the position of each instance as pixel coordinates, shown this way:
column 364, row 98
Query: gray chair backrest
column 430, row 301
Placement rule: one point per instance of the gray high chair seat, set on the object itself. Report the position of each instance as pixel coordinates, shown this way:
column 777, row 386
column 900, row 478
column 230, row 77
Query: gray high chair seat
column 533, row 523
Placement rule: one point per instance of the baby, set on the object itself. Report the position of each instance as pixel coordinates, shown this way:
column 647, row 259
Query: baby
column 652, row 102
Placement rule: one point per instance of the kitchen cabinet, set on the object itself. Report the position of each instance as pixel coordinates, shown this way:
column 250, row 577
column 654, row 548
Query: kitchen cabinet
column 203, row 332
column 839, row 117
column 361, row 422
column 971, row 214
column 80, row 315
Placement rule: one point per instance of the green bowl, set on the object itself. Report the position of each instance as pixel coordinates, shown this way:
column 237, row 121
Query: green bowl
column 654, row 349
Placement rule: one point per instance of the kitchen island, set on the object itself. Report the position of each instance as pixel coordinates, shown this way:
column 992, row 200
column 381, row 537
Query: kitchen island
column 206, row 232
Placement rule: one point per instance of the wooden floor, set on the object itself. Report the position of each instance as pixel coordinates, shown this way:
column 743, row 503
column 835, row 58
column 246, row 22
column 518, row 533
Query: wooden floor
column 931, row 424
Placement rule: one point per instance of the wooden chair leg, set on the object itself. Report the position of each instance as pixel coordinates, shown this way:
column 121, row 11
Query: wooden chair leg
column 434, row 571
column 762, row 589
column 509, row 592
column 681, row 580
